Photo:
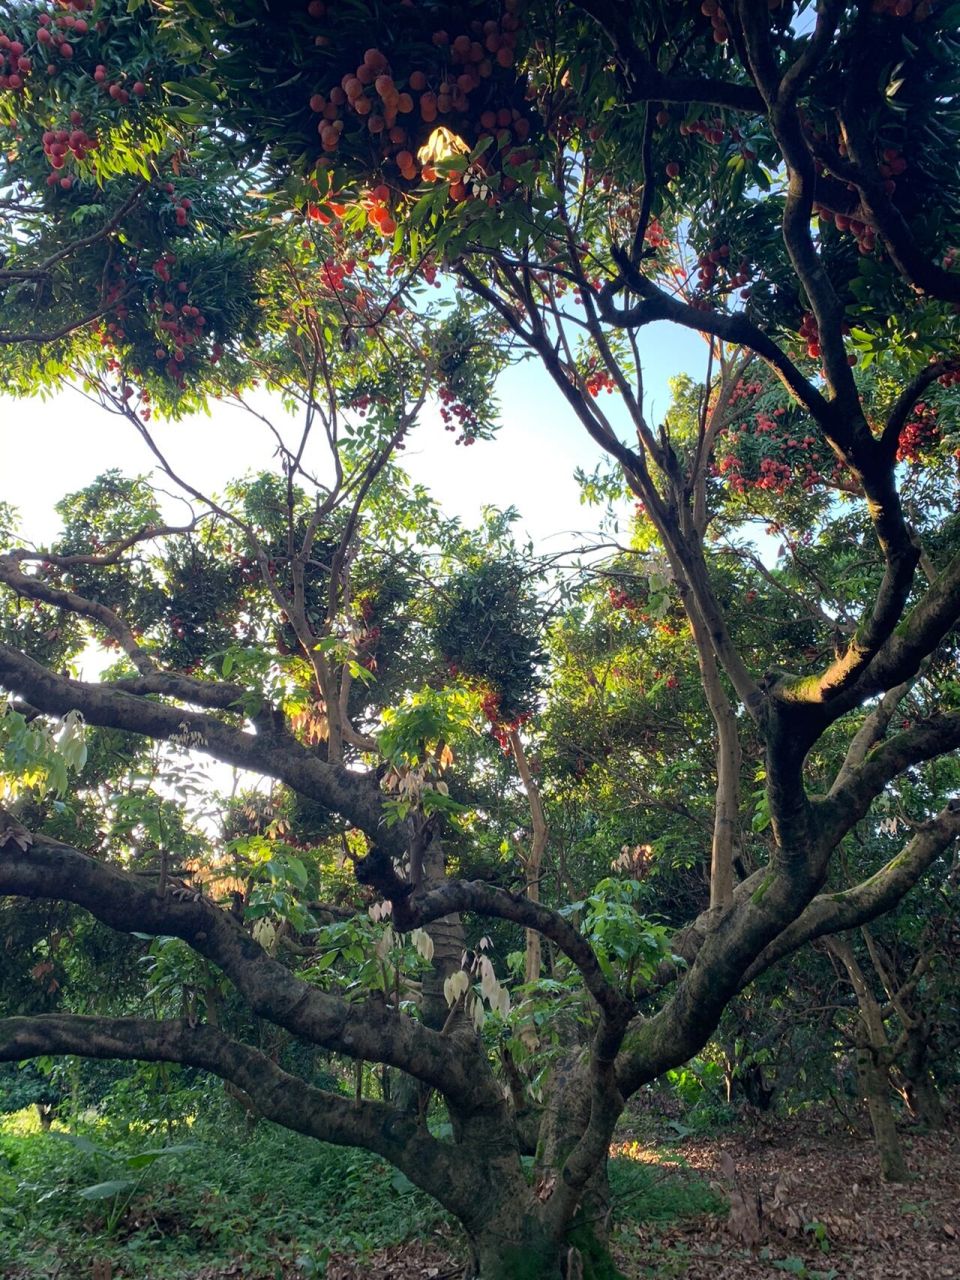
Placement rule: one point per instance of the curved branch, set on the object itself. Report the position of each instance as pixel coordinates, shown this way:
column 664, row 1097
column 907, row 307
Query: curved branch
column 734, row 328
column 834, row 912
column 851, row 797
column 869, row 734
column 860, row 671
column 877, row 207
column 811, row 271
column 54, row 335
column 814, row 51
column 907, row 399
column 647, row 84
column 903, row 652
column 361, row 1029
column 146, row 534
column 271, row 751
column 685, row 555
column 35, row 588
column 279, row 1096
column 488, row 900
column 724, row 948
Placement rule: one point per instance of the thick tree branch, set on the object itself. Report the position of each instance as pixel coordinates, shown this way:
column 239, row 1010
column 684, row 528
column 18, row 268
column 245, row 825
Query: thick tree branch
column 901, row 655
column 645, row 83
column 36, row 588
column 286, row 1099
column 148, row 534
column 271, row 751
column 814, row 51
column 762, row 908
column 833, row 912
column 869, row 734
column 856, row 672
column 851, row 797
column 733, row 327
column 801, row 181
column 362, row 1029
column 488, row 900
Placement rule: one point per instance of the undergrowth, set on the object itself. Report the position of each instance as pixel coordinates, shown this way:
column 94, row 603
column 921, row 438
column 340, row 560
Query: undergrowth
column 263, row 1199
column 266, row 1203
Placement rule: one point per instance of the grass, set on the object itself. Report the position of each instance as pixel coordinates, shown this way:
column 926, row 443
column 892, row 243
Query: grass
column 659, row 1192
column 271, row 1197
column 265, row 1202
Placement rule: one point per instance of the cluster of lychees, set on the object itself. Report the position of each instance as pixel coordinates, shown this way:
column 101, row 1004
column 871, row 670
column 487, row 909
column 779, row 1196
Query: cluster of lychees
column 457, row 416
column 499, row 728
column 59, row 144
column 458, row 85
column 598, row 378
column 920, row 435
column 53, row 30
column 768, row 452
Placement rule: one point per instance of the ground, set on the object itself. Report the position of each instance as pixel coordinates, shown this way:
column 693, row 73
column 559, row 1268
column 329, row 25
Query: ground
column 823, row 1211
column 804, row 1199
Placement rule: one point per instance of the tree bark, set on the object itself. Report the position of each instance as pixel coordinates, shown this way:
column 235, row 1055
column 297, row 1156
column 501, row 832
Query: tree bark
column 521, row 1249
column 873, row 1066
column 534, row 859
column 874, row 1085
column 917, row 1087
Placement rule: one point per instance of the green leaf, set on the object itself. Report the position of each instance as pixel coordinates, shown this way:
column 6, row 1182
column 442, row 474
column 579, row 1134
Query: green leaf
column 296, row 872
column 192, row 89
column 107, row 1190
column 81, row 1143
column 142, row 1159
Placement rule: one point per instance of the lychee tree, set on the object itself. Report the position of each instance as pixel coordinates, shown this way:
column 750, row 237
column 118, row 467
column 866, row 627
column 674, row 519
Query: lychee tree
column 779, row 179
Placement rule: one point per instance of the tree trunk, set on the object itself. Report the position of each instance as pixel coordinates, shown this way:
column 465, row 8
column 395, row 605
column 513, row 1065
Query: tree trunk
column 448, row 946
column 448, row 942
column 873, row 1066
column 874, row 1085
column 917, row 1086
column 514, row 1249
column 584, row 1246
column 521, row 1232
column 533, row 861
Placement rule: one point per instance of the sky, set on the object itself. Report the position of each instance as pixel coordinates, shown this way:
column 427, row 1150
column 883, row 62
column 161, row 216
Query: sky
column 48, row 449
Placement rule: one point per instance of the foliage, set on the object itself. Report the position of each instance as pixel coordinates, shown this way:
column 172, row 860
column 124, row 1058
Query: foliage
column 487, row 629
column 737, row 732
column 205, row 1203
column 327, row 1199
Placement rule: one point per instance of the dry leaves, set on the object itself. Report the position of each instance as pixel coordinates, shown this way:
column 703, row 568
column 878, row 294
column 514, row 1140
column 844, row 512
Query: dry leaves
column 817, row 1207
column 418, row 1260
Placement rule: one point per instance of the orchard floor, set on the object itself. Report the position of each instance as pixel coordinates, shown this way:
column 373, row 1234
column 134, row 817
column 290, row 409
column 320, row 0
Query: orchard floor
column 804, row 1197
column 824, row 1214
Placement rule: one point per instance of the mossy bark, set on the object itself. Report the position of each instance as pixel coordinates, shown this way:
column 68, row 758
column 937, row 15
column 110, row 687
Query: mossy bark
column 875, row 1087
column 579, row 1255
column 919, row 1091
